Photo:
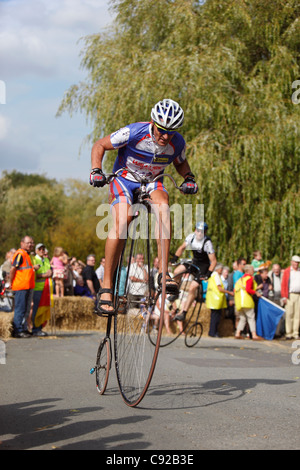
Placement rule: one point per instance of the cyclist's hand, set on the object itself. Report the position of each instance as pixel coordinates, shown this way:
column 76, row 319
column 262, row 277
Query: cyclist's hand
column 206, row 276
column 97, row 178
column 189, row 186
column 174, row 259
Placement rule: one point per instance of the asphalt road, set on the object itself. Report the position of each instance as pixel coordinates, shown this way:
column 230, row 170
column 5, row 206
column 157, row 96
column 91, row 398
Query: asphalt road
column 222, row 394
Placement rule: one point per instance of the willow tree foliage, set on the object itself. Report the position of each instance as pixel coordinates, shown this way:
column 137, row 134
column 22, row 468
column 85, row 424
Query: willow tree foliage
column 231, row 64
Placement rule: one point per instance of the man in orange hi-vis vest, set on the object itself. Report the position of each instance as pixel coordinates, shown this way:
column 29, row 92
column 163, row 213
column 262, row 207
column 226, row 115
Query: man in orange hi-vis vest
column 22, row 280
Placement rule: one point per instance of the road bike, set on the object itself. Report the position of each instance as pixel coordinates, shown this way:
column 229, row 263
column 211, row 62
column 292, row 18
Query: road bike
column 135, row 302
column 191, row 328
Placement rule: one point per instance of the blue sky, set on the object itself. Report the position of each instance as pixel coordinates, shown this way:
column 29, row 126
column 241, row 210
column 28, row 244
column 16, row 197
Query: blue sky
column 39, row 60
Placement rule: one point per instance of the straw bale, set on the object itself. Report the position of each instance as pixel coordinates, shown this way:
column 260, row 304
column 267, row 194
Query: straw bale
column 6, row 320
column 225, row 326
column 205, row 319
column 75, row 313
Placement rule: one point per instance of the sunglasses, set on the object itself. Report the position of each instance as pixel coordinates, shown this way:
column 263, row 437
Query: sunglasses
column 162, row 130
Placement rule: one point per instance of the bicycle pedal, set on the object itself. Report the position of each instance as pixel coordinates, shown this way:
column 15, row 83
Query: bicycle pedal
column 104, row 315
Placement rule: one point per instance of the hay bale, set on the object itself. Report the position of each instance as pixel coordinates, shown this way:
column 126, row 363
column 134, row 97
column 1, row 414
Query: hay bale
column 68, row 313
column 226, row 326
column 6, row 325
column 205, row 319
column 75, row 313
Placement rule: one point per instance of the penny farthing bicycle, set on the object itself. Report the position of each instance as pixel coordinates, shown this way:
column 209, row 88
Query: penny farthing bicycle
column 191, row 328
column 135, row 356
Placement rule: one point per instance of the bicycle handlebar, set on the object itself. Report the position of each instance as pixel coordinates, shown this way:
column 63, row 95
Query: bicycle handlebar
column 169, row 176
column 139, row 178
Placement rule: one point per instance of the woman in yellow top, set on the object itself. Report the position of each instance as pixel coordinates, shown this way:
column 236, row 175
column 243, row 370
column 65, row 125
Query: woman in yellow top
column 44, row 271
column 244, row 290
column 215, row 299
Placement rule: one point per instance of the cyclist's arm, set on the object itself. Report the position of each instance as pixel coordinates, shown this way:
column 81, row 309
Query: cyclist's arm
column 98, row 151
column 183, row 168
column 213, row 261
column 181, row 249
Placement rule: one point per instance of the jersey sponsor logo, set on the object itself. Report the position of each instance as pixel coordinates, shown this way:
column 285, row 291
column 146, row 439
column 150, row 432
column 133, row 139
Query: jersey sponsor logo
column 161, row 159
column 144, row 168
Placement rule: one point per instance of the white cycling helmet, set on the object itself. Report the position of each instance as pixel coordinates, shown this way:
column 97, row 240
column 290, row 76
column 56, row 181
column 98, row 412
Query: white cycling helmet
column 167, row 114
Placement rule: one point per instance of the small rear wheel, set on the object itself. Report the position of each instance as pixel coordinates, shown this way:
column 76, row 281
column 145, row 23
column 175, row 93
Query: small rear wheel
column 102, row 365
column 193, row 334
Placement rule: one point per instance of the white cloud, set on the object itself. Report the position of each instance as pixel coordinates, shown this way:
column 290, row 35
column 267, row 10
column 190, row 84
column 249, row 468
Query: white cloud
column 41, row 36
column 39, row 57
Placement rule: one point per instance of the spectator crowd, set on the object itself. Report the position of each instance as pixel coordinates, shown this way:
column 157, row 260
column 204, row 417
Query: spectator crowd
column 74, row 277
column 24, row 272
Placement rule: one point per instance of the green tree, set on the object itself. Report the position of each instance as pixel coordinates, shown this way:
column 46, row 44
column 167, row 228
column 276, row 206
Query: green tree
column 231, row 65
column 16, row 178
column 57, row 214
column 76, row 229
column 30, row 212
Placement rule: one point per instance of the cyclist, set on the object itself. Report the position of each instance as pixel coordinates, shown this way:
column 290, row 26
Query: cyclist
column 204, row 258
column 146, row 148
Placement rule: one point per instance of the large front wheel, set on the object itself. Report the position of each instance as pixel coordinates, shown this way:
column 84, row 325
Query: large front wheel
column 138, row 309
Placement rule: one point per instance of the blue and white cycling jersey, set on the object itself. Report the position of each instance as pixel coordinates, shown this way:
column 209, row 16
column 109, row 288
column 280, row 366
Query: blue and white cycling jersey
column 139, row 152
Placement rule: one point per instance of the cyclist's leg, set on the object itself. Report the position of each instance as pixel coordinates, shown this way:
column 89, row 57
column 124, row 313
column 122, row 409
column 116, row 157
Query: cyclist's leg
column 190, row 298
column 160, row 198
column 179, row 269
column 121, row 200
